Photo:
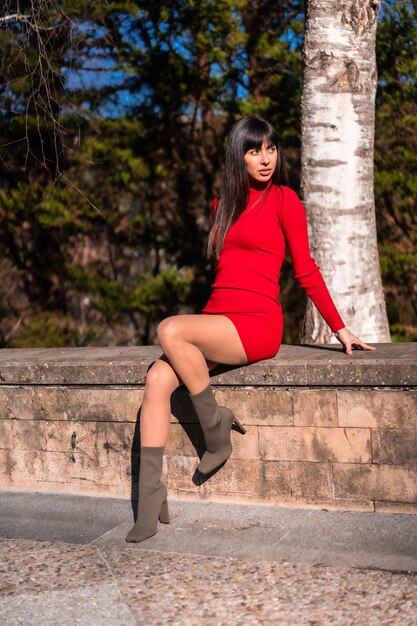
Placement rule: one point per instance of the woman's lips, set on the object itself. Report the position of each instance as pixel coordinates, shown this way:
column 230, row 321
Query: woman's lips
column 264, row 171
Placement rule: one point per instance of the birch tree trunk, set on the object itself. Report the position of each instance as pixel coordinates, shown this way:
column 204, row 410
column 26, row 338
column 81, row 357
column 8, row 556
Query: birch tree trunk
column 337, row 164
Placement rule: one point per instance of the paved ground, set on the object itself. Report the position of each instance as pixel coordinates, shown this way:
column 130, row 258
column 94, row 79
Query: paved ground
column 63, row 560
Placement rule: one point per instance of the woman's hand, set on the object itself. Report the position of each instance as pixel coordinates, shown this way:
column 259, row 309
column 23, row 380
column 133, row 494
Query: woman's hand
column 349, row 341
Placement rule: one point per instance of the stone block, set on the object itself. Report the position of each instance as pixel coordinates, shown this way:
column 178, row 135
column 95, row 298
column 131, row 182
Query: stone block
column 63, row 436
column 192, row 441
column 24, row 403
column 7, row 464
column 6, row 434
column 349, row 445
column 238, row 478
column 97, row 405
column 246, row 446
column 375, row 408
column 116, row 441
column 178, row 473
column 268, row 406
column 26, row 468
column 288, row 480
column 100, row 453
column 175, row 444
column 275, row 480
column 95, row 467
column 64, row 403
column 394, row 447
column 315, row 408
column 375, row 482
column 29, row 434
column 54, row 467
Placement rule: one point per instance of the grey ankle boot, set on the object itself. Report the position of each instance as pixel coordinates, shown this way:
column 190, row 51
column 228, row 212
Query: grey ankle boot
column 153, row 503
column 216, row 422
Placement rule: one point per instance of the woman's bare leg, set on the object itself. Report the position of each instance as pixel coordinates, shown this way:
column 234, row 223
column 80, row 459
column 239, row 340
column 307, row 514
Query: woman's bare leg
column 190, row 340
column 155, row 417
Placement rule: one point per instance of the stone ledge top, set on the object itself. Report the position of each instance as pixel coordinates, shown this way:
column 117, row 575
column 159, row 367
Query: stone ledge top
column 390, row 365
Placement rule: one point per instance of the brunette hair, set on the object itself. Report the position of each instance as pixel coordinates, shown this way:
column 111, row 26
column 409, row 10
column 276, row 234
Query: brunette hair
column 248, row 133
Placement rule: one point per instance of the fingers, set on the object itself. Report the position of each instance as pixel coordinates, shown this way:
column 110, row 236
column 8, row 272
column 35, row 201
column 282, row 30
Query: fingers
column 361, row 345
column 357, row 344
column 351, row 342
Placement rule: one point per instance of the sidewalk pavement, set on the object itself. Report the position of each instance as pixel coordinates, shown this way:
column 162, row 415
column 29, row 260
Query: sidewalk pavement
column 64, row 561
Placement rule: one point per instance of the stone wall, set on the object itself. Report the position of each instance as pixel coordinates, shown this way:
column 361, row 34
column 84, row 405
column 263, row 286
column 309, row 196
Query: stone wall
column 323, row 429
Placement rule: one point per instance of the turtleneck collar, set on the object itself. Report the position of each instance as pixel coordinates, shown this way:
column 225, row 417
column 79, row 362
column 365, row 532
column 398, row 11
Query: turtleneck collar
column 259, row 185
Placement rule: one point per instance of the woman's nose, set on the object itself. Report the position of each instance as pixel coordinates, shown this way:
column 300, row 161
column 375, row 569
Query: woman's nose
column 264, row 158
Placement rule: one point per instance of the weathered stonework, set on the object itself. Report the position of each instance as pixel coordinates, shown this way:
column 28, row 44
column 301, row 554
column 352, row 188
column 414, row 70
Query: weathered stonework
column 329, row 443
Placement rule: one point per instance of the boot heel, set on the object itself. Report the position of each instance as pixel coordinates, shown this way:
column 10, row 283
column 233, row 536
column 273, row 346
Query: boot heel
column 164, row 513
column 236, row 425
column 239, row 427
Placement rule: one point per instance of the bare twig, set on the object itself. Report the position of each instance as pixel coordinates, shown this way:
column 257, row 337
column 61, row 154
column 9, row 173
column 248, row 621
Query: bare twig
column 14, row 17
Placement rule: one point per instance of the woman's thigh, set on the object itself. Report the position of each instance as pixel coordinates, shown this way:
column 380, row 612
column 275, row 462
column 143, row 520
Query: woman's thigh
column 215, row 335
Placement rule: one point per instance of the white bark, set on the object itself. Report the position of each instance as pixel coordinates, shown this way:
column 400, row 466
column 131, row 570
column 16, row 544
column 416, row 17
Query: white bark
column 337, row 164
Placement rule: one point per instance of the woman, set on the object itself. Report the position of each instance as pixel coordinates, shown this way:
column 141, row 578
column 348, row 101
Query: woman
column 241, row 323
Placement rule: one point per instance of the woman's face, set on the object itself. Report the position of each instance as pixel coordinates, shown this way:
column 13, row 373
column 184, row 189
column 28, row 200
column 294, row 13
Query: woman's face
column 260, row 163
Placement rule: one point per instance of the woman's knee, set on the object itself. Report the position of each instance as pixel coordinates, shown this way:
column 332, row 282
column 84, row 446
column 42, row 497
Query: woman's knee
column 161, row 378
column 167, row 330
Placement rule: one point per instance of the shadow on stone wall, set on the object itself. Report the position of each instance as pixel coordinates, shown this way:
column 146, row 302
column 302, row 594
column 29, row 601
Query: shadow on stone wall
column 183, row 410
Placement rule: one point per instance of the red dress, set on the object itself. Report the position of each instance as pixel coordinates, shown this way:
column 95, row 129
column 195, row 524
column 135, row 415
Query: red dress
column 246, row 285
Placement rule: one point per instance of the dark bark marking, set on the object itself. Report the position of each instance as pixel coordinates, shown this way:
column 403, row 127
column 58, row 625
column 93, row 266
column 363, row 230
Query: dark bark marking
column 321, row 60
column 325, row 163
column 353, row 75
column 323, row 125
column 362, row 15
column 363, row 152
column 321, row 189
column 348, row 79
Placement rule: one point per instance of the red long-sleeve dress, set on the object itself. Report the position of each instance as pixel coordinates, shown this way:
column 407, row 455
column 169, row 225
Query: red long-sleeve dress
column 246, row 285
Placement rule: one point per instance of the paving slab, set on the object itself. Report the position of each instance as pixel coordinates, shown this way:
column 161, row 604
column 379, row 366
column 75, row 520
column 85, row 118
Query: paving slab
column 58, row 517
column 251, row 532
column 255, row 533
column 98, row 605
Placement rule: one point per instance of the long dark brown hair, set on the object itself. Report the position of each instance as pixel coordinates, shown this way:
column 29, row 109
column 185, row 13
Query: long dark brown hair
column 248, row 133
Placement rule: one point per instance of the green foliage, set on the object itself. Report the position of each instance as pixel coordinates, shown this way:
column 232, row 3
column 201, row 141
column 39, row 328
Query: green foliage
column 151, row 295
column 106, row 193
column 399, row 333
column 396, row 165
column 47, row 330
column 111, row 148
